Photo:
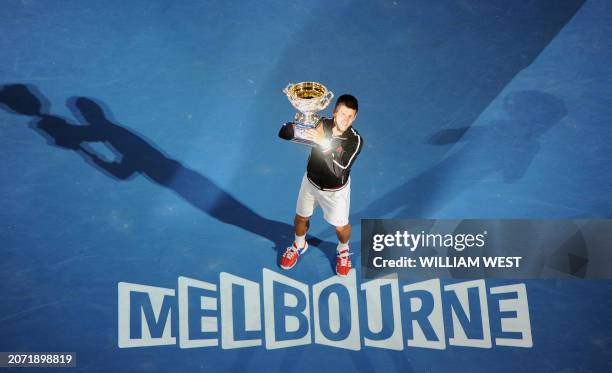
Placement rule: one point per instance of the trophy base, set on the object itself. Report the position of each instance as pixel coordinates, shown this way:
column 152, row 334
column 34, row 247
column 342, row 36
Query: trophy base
column 296, row 134
column 304, row 142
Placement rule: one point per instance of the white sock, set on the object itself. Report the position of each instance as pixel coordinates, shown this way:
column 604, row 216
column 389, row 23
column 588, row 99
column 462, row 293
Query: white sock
column 342, row 246
column 300, row 241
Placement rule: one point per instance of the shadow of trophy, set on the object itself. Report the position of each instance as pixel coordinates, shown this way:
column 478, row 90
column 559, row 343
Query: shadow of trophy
column 308, row 98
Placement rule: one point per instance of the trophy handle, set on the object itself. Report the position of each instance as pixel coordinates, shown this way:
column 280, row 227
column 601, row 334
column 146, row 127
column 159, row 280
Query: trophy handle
column 328, row 97
column 286, row 90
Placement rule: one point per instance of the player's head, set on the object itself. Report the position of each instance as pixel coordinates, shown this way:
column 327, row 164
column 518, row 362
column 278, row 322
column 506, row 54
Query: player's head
column 349, row 101
column 345, row 111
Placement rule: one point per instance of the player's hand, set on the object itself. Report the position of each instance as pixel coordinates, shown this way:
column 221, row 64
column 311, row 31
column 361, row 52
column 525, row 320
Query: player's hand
column 318, row 136
column 315, row 134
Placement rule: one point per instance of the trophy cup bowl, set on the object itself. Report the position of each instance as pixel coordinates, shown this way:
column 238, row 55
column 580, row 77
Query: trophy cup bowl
column 308, row 98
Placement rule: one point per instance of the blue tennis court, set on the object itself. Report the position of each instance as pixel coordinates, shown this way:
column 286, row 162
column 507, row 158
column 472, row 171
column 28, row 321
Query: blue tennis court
column 139, row 145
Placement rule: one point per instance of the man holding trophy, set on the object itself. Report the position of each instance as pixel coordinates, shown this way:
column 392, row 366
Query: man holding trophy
column 335, row 147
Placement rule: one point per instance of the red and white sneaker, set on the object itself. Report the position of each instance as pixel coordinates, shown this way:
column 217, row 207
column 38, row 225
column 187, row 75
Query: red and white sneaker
column 343, row 263
column 291, row 255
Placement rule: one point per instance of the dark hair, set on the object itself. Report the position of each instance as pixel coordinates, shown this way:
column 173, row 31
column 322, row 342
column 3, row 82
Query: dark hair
column 349, row 101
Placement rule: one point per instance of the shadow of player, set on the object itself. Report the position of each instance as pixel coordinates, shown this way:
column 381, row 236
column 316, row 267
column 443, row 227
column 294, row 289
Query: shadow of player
column 506, row 147
column 135, row 155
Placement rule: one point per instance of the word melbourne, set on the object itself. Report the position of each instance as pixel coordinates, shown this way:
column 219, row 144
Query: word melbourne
column 282, row 312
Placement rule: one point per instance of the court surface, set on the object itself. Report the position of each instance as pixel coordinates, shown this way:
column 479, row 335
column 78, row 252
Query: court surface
column 138, row 144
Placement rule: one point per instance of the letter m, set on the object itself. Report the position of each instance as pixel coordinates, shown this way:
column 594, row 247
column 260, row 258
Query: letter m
column 145, row 315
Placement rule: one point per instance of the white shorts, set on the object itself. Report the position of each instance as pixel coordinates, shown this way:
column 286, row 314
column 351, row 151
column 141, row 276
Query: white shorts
column 335, row 204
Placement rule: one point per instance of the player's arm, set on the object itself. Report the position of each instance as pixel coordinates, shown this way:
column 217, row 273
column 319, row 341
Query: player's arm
column 287, row 131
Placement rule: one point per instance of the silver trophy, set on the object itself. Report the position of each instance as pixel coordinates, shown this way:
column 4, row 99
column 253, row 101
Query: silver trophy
column 308, row 98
